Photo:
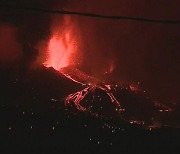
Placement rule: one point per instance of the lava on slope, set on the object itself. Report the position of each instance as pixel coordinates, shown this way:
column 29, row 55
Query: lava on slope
column 102, row 100
column 99, row 98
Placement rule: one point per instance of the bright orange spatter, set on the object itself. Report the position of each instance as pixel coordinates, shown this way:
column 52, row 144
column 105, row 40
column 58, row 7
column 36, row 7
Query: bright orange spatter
column 61, row 48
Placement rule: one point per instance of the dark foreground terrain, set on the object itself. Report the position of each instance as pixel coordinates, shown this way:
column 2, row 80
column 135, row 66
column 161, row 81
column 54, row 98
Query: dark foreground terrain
column 34, row 119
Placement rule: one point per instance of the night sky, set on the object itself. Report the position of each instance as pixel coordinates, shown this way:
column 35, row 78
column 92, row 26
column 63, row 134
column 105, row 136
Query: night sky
column 145, row 52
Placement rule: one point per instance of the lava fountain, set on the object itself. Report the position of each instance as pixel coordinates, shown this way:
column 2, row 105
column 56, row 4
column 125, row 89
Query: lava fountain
column 62, row 46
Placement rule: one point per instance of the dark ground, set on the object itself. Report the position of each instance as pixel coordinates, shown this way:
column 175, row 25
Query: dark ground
column 34, row 119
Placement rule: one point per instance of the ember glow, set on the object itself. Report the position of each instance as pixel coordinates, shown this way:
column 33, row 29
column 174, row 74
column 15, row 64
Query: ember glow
column 62, row 46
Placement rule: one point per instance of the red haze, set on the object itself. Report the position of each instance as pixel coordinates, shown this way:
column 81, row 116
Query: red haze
column 10, row 49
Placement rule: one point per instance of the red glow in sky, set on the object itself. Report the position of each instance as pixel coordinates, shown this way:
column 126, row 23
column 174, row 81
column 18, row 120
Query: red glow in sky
column 61, row 47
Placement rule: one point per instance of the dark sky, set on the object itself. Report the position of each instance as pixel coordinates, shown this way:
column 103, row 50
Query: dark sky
column 145, row 52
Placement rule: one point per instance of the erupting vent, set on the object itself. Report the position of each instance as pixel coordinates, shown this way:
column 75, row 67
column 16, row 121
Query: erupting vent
column 61, row 50
column 62, row 46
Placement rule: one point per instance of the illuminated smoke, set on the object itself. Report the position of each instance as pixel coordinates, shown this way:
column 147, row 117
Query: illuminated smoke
column 62, row 45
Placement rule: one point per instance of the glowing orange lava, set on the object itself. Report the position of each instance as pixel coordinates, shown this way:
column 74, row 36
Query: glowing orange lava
column 61, row 47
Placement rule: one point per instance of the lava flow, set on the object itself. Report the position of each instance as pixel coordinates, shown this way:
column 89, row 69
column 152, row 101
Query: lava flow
column 80, row 95
column 89, row 86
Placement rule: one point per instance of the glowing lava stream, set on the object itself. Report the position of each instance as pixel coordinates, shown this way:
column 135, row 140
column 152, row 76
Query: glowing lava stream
column 80, row 95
